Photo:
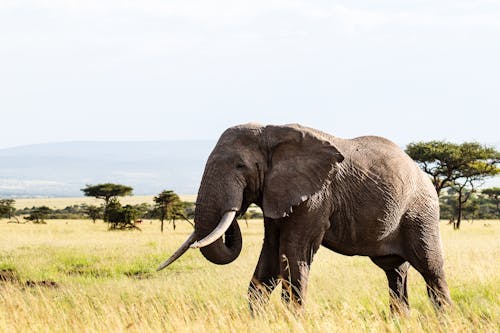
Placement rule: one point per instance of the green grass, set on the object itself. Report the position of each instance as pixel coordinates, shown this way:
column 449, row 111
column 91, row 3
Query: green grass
column 106, row 282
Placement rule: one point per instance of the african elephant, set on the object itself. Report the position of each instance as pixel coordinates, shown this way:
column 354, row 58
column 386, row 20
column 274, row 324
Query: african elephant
column 361, row 196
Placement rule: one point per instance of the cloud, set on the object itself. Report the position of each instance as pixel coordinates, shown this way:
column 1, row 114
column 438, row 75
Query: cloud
column 484, row 13
column 66, row 62
column 27, row 185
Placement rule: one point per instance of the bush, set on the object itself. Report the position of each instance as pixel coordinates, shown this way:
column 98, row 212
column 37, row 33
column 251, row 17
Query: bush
column 121, row 217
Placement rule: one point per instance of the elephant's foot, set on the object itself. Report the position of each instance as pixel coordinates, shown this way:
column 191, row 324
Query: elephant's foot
column 399, row 307
column 259, row 293
column 438, row 292
column 294, row 282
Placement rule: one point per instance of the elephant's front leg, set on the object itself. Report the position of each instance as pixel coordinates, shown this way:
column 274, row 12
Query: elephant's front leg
column 266, row 275
column 299, row 241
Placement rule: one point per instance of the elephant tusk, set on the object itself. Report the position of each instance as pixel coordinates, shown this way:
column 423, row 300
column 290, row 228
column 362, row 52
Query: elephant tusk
column 221, row 228
column 184, row 247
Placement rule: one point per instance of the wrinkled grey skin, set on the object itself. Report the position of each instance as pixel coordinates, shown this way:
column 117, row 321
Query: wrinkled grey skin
column 362, row 196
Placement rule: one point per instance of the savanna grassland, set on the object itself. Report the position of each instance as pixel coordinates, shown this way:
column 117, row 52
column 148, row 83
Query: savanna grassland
column 76, row 276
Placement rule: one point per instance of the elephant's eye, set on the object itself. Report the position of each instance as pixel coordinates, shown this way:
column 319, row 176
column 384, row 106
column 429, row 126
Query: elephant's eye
column 240, row 166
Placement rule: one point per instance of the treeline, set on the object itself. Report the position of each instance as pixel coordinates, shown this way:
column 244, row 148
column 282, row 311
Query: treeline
column 167, row 207
column 83, row 211
column 455, row 170
column 482, row 205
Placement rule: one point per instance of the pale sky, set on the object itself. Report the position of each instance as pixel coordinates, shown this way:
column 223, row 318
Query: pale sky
column 184, row 69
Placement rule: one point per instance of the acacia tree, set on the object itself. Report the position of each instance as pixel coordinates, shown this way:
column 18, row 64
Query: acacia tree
column 7, row 208
column 472, row 176
column 106, row 192
column 169, row 207
column 461, row 166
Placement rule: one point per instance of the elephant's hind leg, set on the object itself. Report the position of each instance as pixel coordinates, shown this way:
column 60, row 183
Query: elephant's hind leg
column 396, row 270
column 425, row 255
column 266, row 275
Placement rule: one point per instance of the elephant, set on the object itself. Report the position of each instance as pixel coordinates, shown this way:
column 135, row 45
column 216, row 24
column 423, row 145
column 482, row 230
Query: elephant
column 363, row 196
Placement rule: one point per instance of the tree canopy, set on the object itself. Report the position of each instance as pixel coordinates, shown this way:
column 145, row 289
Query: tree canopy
column 447, row 162
column 169, row 207
column 107, row 191
column 461, row 166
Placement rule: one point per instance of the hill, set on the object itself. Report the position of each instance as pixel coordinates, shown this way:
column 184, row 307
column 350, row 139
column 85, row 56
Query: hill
column 62, row 169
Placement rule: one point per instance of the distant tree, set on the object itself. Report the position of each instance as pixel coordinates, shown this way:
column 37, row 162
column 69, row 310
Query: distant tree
column 121, row 217
column 479, row 206
column 93, row 212
column 39, row 214
column 7, row 208
column 466, row 185
column 189, row 208
column 448, row 204
column 169, row 207
column 462, row 166
column 494, row 194
column 142, row 210
column 471, row 208
column 106, row 192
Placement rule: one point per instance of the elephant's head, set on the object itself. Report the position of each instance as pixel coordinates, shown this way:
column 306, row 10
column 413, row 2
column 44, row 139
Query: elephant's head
column 275, row 167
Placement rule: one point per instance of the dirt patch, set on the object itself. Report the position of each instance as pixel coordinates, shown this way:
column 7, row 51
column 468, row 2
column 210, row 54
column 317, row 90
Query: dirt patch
column 139, row 275
column 8, row 275
column 43, row 283
column 11, row 276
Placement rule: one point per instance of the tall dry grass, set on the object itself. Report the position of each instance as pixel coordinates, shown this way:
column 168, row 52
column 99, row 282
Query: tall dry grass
column 106, row 282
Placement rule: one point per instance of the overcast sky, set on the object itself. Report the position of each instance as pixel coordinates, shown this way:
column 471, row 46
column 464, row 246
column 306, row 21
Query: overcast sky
column 183, row 69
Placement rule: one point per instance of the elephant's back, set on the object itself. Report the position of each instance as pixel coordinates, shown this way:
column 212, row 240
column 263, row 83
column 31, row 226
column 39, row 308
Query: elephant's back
column 381, row 158
column 381, row 179
column 390, row 162
column 377, row 145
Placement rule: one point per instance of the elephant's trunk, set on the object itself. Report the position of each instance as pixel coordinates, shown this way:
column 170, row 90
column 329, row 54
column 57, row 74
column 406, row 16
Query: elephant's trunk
column 221, row 251
column 215, row 206
column 216, row 231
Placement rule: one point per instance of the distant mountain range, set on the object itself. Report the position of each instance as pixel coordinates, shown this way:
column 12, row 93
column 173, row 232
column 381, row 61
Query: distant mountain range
column 62, row 169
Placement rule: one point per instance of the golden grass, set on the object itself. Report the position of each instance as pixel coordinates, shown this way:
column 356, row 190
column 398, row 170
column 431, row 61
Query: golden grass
column 107, row 283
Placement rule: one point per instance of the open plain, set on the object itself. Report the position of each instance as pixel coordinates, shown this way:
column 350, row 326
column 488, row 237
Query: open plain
column 73, row 275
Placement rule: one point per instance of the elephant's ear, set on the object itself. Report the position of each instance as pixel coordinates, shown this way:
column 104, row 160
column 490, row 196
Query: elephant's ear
column 301, row 161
